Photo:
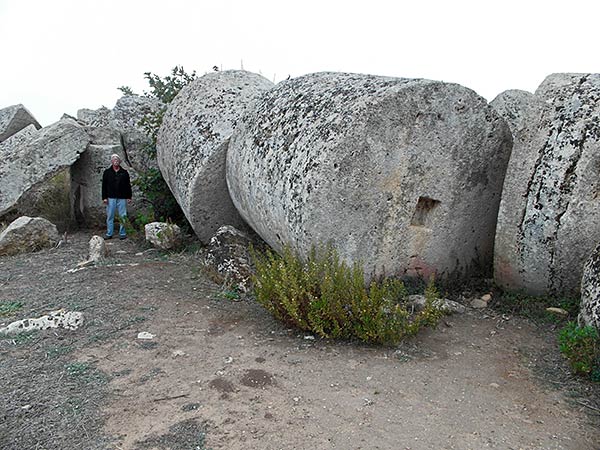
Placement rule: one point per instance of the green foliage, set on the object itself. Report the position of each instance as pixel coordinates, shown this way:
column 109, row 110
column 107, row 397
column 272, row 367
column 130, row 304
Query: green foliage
column 326, row 296
column 534, row 308
column 126, row 90
column 19, row 338
column 166, row 88
column 9, row 308
column 581, row 346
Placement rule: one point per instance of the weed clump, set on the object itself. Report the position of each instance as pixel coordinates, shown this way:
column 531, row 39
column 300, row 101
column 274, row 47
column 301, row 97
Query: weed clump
column 581, row 346
column 324, row 295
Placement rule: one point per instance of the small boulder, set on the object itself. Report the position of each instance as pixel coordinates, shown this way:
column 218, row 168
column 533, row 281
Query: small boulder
column 165, row 236
column 478, row 303
column 98, row 250
column 229, row 258
column 447, row 306
column 590, row 291
column 27, row 234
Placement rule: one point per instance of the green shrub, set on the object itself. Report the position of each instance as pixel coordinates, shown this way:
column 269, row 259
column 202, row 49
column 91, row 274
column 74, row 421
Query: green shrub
column 326, row 296
column 534, row 307
column 581, row 346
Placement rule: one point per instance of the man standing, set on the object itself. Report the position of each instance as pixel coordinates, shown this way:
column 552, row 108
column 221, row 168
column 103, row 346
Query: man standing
column 116, row 193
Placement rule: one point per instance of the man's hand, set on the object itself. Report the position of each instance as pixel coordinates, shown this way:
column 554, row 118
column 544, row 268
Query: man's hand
column 129, row 201
column 105, row 201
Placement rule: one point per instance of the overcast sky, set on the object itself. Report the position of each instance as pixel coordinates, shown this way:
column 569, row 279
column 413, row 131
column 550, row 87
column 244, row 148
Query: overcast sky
column 62, row 55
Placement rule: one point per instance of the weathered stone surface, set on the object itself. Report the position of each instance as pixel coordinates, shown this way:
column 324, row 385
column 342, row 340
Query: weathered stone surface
column 98, row 250
column 100, row 117
column 229, row 258
column 41, row 156
column 165, row 236
column 404, row 175
column 27, row 234
column 13, row 119
column 192, row 145
column 13, row 144
column 589, row 313
column 549, row 219
column 70, row 320
column 447, row 306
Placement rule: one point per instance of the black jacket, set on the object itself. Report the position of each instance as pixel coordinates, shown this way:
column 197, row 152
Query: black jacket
column 116, row 184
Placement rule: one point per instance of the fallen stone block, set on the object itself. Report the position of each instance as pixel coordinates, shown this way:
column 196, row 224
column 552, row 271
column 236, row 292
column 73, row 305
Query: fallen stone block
column 69, row 320
column 404, row 175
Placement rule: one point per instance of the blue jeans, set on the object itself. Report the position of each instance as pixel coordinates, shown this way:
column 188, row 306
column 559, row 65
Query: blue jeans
column 119, row 205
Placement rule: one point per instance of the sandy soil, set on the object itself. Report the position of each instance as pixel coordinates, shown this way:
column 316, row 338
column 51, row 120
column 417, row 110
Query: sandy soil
column 223, row 374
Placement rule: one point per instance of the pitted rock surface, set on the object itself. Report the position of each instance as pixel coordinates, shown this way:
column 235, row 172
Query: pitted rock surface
column 589, row 313
column 192, row 145
column 70, row 320
column 13, row 119
column 549, row 221
column 41, row 155
column 98, row 250
column 165, row 236
column 27, row 234
column 228, row 254
column 13, row 144
column 404, row 175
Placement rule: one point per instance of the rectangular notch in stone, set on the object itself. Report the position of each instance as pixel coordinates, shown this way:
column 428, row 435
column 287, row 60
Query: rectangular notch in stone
column 422, row 214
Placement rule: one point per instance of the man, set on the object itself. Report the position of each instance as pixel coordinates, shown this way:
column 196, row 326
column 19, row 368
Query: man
column 116, row 193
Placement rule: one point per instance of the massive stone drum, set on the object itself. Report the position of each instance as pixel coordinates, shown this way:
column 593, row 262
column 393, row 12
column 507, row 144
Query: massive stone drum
column 404, row 175
column 549, row 220
column 192, row 144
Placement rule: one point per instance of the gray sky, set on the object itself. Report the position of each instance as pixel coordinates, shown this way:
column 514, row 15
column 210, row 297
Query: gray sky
column 62, row 55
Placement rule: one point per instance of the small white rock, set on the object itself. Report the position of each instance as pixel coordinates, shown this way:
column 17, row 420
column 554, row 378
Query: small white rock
column 145, row 335
column 486, row 297
column 478, row 303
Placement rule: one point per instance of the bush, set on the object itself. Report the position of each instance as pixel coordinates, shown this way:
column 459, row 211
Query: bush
column 581, row 346
column 325, row 296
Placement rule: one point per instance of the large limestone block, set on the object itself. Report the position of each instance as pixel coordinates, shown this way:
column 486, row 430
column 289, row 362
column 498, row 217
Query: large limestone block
column 192, row 145
column 404, row 175
column 549, row 218
column 42, row 155
column 13, row 119
column 27, row 234
column 590, row 291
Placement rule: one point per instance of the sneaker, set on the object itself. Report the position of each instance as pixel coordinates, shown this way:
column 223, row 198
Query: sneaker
column 122, row 237
column 107, row 237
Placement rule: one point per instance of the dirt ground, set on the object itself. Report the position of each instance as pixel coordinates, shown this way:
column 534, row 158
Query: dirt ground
column 222, row 374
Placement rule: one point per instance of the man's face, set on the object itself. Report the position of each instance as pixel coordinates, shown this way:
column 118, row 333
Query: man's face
column 116, row 162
